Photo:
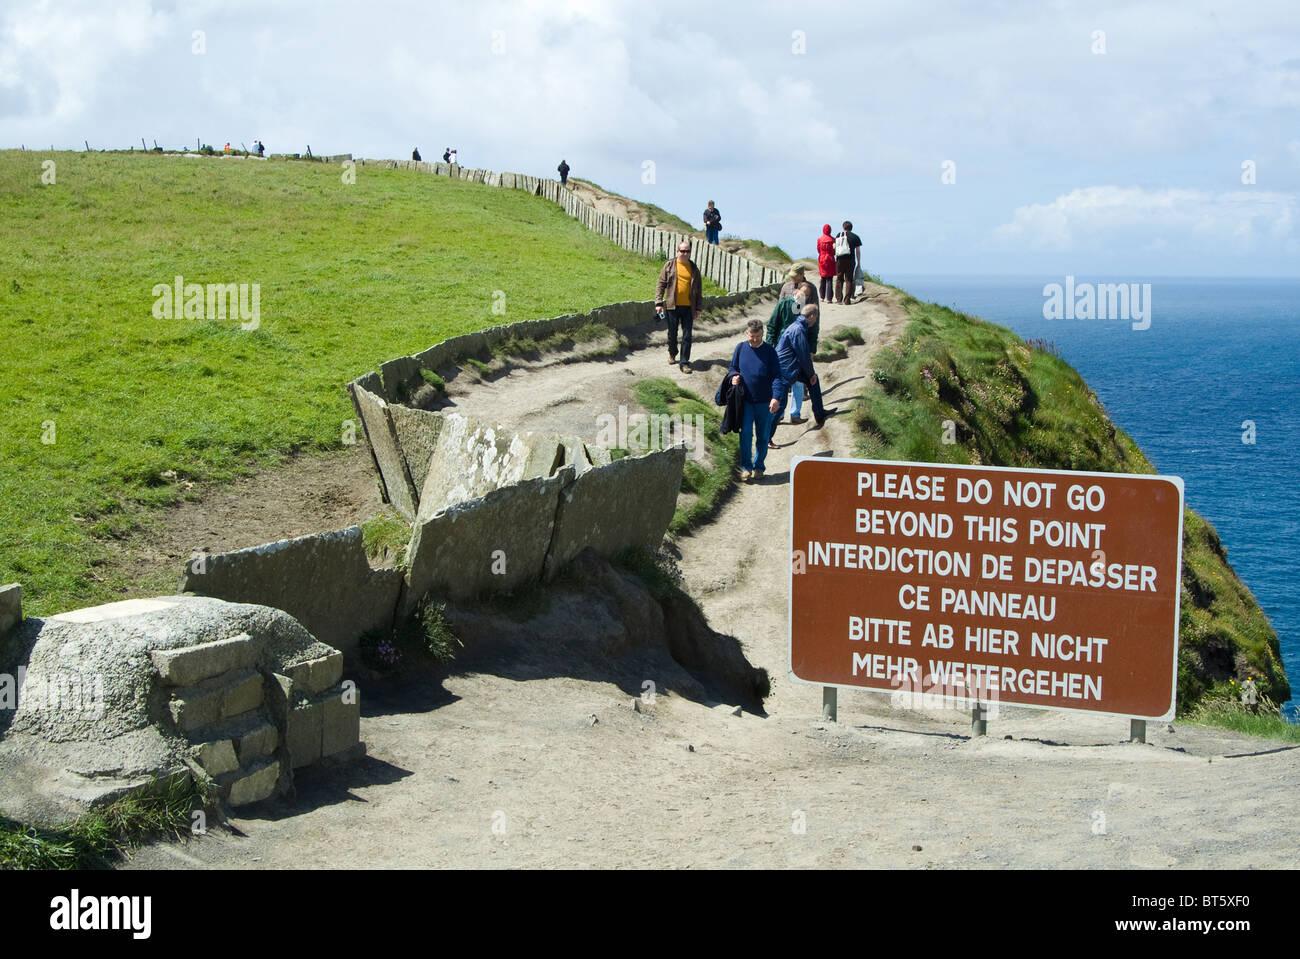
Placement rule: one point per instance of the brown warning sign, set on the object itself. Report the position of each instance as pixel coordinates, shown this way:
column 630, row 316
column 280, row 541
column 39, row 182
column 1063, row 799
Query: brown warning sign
column 1028, row 587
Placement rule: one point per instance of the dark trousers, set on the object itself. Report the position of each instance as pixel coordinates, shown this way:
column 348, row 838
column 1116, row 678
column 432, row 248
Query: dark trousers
column 685, row 316
column 844, row 280
column 827, row 289
column 814, row 394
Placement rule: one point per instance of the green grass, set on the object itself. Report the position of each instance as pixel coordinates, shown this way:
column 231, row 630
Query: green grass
column 848, row 334
column 98, row 838
column 1225, row 710
column 763, row 251
column 958, row 390
column 386, row 538
column 132, row 406
column 707, row 482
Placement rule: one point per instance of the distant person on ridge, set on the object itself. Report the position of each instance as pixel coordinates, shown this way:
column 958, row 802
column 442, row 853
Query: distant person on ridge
column 712, row 223
column 679, row 291
column 446, row 155
column 415, row 154
column 847, row 245
column 826, row 263
column 260, row 148
column 563, row 170
column 452, row 160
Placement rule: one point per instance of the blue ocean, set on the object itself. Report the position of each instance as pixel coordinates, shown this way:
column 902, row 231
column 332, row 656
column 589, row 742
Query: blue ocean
column 1217, row 368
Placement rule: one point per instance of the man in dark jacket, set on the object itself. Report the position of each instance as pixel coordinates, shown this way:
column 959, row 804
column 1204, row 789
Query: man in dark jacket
column 563, row 171
column 795, row 354
column 712, row 223
column 755, row 368
column 679, row 298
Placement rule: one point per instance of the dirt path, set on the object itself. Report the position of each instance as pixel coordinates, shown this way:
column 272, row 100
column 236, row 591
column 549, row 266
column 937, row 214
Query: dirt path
column 491, row 769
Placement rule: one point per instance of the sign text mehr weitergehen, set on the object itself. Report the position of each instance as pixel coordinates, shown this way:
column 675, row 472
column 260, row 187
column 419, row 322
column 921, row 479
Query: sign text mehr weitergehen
column 1028, row 587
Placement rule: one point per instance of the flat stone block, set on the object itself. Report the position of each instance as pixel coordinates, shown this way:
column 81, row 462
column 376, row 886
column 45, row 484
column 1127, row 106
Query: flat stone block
column 242, row 697
column 258, row 742
column 341, row 724
column 303, row 734
column 259, row 784
column 193, row 664
column 216, row 757
column 317, row 675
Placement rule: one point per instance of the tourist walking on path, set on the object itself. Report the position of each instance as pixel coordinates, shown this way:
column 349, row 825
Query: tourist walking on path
column 847, row 246
column 679, row 293
column 755, row 364
column 797, row 364
column 415, row 154
column 792, row 281
column 786, row 311
column 712, row 223
column 563, row 170
column 826, row 263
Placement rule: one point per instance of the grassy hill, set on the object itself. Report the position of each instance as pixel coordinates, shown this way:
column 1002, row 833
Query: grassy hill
column 109, row 410
column 1013, row 403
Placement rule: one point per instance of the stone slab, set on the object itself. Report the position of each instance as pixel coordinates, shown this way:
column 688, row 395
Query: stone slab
column 454, row 552
column 257, row 785
column 340, row 724
column 471, row 459
column 216, row 757
column 324, row 581
column 373, row 411
column 302, row 735
column 193, row 664
column 416, row 432
column 316, row 675
column 11, row 606
column 629, row 502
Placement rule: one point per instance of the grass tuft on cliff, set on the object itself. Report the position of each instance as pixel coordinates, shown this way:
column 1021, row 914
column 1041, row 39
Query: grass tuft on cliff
column 959, row 390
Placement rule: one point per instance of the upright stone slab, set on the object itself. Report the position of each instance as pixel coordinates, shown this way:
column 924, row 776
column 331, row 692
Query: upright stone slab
column 628, row 503
column 471, row 458
column 491, row 544
column 323, row 581
column 417, row 433
column 373, row 412
column 11, row 606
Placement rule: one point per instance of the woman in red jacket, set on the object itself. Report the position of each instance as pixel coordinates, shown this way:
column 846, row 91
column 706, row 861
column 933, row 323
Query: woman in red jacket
column 826, row 264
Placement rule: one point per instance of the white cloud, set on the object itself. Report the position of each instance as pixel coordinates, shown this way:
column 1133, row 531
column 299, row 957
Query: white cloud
column 1100, row 217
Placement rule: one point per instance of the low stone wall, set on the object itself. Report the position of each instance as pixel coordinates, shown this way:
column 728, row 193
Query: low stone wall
column 729, row 270
column 324, row 581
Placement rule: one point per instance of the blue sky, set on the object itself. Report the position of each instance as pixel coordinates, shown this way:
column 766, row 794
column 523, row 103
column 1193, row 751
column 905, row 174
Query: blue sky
column 1097, row 139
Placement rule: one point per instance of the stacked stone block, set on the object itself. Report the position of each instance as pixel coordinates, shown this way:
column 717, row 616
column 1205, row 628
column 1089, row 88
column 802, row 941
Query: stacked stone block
column 249, row 729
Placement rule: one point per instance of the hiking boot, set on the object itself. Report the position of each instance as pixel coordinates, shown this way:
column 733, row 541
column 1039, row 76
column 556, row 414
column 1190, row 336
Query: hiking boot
column 758, row 475
column 672, row 359
column 685, row 367
column 746, row 475
column 796, row 420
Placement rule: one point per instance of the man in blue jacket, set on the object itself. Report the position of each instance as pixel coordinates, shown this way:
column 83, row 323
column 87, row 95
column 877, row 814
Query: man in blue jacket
column 755, row 365
column 795, row 354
